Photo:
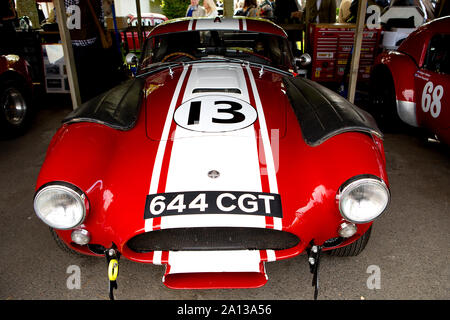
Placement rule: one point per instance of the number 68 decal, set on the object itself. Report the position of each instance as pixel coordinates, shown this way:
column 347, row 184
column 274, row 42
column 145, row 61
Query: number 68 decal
column 431, row 99
column 215, row 114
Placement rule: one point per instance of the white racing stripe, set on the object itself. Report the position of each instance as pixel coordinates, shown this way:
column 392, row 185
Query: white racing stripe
column 225, row 24
column 244, row 24
column 271, row 172
column 157, row 256
column 273, row 185
column 271, row 255
column 233, row 154
column 162, row 144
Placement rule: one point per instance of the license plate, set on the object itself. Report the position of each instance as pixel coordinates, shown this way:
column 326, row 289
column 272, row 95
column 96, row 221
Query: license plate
column 213, row 202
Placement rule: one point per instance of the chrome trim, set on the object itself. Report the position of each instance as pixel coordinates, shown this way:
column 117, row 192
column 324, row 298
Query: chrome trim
column 72, row 189
column 358, row 180
column 344, row 225
column 406, row 110
column 14, row 106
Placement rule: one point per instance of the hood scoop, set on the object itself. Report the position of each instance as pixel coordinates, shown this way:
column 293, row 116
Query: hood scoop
column 217, row 90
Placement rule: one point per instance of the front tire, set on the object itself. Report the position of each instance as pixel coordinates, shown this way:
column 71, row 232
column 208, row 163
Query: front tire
column 62, row 245
column 382, row 100
column 354, row 248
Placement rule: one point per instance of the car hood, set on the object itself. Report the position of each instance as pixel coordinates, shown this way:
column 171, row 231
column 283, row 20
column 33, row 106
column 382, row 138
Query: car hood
column 215, row 118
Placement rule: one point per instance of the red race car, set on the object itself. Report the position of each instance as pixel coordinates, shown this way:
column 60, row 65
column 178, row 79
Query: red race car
column 413, row 82
column 148, row 20
column 213, row 161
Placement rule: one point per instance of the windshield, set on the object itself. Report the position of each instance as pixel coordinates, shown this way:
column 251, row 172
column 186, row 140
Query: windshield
column 261, row 48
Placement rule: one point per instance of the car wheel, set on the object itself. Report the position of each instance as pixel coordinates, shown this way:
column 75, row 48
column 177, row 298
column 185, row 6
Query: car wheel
column 62, row 245
column 15, row 109
column 382, row 100
column 354, row 248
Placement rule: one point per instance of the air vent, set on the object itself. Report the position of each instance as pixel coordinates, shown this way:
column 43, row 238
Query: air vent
column 219, row 90
column 213, row 238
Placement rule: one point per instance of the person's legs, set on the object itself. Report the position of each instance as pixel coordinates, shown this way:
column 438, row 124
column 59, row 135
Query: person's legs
column 90, row 71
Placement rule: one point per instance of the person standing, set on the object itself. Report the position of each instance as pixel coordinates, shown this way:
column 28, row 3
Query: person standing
column 320, row 11
column 8, row 16
column 210, row 8
column 94, row 63
column 344, row 11
column 195, row 10
column 266, row 8
column 250, row 8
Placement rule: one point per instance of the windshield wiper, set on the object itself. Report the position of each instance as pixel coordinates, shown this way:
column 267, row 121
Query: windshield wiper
column 158, row 66
column 259, row 65
column 161, row 65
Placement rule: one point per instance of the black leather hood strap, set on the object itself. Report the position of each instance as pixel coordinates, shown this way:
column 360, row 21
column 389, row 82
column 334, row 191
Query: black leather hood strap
column 117, row 108
column 323, row 113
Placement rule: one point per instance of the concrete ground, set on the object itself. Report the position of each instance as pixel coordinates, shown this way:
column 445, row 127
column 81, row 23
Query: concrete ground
column 409, row 246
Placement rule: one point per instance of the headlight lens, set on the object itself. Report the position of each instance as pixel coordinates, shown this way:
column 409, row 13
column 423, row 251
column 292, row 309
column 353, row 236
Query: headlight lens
column 363, row 198
column 61, row 206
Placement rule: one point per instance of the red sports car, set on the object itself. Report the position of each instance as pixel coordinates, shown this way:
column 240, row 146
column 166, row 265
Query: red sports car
column 213, row 161
column 413, row 82
column 148, row 20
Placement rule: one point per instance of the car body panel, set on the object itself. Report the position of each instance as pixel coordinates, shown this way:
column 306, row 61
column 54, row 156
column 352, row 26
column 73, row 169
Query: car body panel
column 417, row 87
column 148, row 20
column 15, row 66
column 237, row 23
column 433, row 99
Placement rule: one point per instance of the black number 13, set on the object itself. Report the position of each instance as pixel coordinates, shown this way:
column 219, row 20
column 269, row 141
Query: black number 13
column 194, row 112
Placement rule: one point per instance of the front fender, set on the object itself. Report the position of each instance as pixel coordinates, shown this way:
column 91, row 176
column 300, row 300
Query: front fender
column 402, row 69
column 13, row 67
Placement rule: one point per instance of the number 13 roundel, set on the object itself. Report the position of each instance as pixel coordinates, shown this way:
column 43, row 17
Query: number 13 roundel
column 215, row 114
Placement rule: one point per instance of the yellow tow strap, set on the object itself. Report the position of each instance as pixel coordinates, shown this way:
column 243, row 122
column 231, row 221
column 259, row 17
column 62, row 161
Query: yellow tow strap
column 113, row 269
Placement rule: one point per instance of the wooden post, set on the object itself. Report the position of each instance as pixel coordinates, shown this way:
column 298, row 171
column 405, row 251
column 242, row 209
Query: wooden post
column 139, row 25
column 69, row 59
column 228, row 8
column 354, row 67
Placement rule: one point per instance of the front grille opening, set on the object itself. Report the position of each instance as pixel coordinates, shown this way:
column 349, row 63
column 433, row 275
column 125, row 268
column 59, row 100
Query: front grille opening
column 333, row 242
column 214, row 238
column 97, row 248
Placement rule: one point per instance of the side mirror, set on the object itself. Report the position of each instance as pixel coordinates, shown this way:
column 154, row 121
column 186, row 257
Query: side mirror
column 132, row 62
column 303, row 61
column 131, row 59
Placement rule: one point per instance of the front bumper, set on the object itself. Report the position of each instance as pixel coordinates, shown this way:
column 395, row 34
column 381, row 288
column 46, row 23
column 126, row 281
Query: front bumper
column 199, row 268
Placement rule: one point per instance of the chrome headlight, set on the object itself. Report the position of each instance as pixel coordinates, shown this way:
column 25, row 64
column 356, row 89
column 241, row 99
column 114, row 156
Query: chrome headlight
column 363, row 198
column 60, row 205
